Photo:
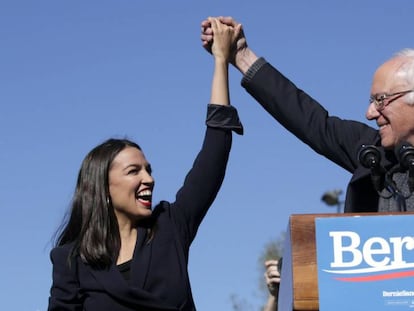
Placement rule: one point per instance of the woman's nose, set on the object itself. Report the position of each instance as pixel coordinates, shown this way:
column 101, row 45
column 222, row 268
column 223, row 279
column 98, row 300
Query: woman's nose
column 148, row 179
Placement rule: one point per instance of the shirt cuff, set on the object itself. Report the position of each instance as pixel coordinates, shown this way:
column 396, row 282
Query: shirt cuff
column 224, row 117
column 253, row 70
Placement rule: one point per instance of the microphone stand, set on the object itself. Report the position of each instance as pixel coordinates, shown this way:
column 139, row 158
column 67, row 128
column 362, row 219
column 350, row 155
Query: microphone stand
column 395, row 191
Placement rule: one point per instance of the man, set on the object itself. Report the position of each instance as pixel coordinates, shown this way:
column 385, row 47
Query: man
column 391, row 105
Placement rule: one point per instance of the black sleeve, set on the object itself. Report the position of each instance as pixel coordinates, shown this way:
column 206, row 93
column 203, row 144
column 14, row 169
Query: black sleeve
column 64, row 293
column 205, row 178
column 337, row 139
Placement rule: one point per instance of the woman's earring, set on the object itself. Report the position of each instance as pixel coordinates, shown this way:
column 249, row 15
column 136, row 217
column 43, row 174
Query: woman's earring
column 108, row 201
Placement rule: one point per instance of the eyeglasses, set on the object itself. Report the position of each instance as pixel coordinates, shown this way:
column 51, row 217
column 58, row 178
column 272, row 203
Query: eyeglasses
column 382, row 100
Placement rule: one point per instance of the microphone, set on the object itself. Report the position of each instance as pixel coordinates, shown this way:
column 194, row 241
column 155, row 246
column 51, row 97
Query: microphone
column 405, row 155
column 370, row 157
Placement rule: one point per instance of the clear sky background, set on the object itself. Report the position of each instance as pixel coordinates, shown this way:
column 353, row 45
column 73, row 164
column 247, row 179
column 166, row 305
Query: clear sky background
column 74, row 73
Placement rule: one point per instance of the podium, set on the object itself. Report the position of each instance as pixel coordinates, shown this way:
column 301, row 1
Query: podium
column 299, row 275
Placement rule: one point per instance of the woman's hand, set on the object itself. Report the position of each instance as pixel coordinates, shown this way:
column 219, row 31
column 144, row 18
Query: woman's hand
column 223, row 38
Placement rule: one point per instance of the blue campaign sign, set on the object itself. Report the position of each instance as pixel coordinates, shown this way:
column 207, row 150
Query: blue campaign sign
column 365, row 262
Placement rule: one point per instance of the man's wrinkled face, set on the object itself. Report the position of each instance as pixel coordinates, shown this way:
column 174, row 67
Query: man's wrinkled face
column 389, row 105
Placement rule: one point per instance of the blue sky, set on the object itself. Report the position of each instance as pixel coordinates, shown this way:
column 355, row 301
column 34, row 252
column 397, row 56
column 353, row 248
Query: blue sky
column 74, row 73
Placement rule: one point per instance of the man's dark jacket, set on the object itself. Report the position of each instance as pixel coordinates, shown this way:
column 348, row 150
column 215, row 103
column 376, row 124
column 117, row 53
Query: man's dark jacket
column 337, row 139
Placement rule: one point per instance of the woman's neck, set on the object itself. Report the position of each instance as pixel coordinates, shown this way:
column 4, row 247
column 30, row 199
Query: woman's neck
column 128, row 236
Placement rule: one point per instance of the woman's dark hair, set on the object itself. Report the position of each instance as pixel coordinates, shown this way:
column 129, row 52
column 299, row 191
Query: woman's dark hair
column 91, row 224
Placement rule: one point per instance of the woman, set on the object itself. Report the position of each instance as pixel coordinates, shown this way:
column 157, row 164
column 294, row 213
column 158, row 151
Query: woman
column 116, row 252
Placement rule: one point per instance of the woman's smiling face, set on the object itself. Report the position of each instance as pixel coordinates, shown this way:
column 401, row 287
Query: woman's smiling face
column 131, row 185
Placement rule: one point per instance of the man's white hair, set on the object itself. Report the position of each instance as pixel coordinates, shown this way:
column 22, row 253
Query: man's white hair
column 406, row 71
